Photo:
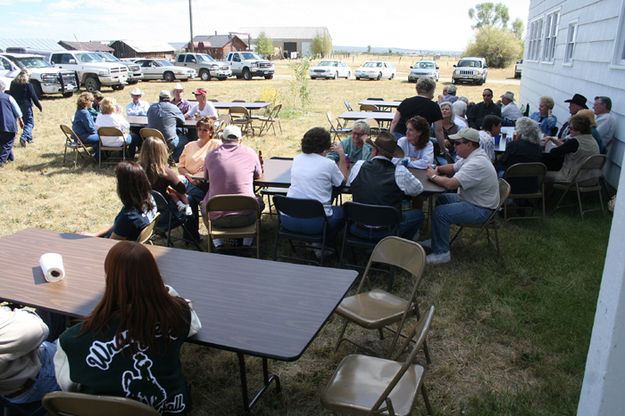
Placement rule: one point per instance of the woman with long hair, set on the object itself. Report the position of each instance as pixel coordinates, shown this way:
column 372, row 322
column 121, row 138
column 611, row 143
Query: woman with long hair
column 24, row 94
column 417, row 146
column 153, row 158
column 129, row 346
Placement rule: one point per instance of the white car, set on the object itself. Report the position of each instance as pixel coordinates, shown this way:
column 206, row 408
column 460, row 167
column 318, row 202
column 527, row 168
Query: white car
column 163, row 69
column 376, row 70
column 423, row 69
column 330, row 69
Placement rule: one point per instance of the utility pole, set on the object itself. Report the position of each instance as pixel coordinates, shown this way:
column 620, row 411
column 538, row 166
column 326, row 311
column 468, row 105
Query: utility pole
column 191, row 26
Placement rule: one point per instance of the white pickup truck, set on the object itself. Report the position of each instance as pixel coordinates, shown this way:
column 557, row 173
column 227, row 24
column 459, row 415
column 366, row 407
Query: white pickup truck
column 45, row 78
column 205, row 65
column 248, row 64
column 92, row 72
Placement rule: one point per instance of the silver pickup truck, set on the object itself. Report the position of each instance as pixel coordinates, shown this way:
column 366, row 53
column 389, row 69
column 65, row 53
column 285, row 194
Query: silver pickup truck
column 92, row 72
column 205, row 65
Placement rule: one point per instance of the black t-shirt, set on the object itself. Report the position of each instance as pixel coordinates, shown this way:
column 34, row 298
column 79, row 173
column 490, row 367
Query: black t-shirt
column 417, row 106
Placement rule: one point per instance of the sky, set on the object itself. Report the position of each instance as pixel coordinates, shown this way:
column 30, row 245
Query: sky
column 410, row 24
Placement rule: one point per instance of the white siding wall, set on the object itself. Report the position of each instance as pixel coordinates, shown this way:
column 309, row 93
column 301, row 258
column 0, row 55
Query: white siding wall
column 591, row 72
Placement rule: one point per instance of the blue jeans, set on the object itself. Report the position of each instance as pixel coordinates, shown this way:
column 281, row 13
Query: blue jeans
column 411, row 221
column 6, row 146
column 176, row 145
column 450, row 209
column 314, row 226
column 29, row 123
column 195, row 195
column 46, row 380
column 92, row 140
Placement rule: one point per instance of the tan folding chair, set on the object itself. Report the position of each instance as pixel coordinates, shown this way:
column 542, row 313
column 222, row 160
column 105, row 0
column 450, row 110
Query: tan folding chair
column 365, row 385
column 223, row 120
column 339, row 129
column 269, row 120
column 110, row 132
column 61, row 403
column 145, row 236
column 492, row 222
column 377, row 308
column 232, row 203
column 532, row 174
column 149, row 132
column 369, row 107
column 588, row 178
column 240, row 116
column 72, row 141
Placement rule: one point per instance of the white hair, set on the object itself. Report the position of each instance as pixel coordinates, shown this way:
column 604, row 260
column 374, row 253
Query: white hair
column 459, row 107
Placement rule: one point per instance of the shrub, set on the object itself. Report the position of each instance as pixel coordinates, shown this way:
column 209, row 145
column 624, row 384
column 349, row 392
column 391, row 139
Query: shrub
column 500, row 47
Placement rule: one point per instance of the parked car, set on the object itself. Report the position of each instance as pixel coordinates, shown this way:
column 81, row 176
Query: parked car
column 92, row 72
column 163, row 69
column 518, row 68
column 45, row 78
column 248, row 64
column 330, row 69
column 134, row 70
column 376, row 70
column 423, row 69
column 470, row 69
column 205, row 65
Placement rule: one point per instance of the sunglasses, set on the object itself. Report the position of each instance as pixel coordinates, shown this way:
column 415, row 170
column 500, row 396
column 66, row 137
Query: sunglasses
column 487, row 95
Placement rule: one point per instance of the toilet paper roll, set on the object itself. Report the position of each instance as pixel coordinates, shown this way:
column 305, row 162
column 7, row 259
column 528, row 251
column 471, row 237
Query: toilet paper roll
column 52, row 267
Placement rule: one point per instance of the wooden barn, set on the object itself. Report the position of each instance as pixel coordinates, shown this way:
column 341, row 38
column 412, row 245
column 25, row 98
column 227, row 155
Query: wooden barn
column 217, row 46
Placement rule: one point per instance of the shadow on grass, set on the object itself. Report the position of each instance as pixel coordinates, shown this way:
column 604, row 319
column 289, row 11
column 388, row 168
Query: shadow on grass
column 53, row 165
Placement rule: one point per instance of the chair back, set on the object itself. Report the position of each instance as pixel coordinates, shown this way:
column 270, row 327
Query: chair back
column 149, row 132
column 348, row 106
column 504, row 193
column 369, row 107
column 372, row 215
column 70, row 137
column 232, row 203
column 329, row 117
column 299, row 208
column 223, row 121
column 418, row 334
column 240, row 112
column 527, row 171
column 276, row 110
column 590, row 171
column 148, row 230
column 398, row 252
column 61, row 403
column 109, row 132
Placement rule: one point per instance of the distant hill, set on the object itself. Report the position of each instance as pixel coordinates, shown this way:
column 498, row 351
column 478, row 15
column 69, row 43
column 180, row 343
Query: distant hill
column 360, row 49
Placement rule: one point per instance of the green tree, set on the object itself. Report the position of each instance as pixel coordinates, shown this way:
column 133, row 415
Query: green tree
column 489, row 14
column 517, row 28
column 321, row 45
column 299, row 85
column 264, row 45
column 500, row 47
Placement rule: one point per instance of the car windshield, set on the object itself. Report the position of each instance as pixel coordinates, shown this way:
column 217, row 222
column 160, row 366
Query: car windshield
column 89, row 57
column 33, row 62
column 107, row 57
column 372, row 64
column 250, row 55
column 425, row 65
column 163, row 62
column 205, row 58
column 328, row 63
column 470, row 64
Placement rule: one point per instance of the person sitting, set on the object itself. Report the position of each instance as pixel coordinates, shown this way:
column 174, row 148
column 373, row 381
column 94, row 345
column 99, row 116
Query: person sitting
column 110, row 117
column 153, row 159
column 448, row 123
column 576, row 103
column 24, row 94
column 593, row 128
column 606, row 122
column 460, row 111
column 449, row 94
column 312, row 177
column 178, row 100
column 572, row 152
column 475, row 179
column 139, row 208
column 231, row 169
column 164, row 116
column 524, row 148
column 26, row 358
column 84, row 124
column 416, row 146
column 203, row 108
column 129, row 345
column 137, row 107
column 491, row 127
column 510, row 113
column 191, row 164
column 478, row 111
column 355, row 146
column 94, row 110
column 379, row 182
column 544, row 117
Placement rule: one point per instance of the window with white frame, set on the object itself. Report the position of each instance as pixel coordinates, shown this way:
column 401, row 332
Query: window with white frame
column 551, row 31
column 619, row 42
column 570, row 43
column 535, row 39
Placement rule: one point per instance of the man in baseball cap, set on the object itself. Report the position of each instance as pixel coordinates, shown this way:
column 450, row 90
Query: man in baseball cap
column 475, row 179
column 167, row 118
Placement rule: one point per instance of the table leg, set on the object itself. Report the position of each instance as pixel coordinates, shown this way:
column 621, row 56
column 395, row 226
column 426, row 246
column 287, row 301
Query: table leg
column 267, row 380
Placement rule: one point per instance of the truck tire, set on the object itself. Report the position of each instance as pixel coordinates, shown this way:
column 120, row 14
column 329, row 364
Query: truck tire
column 37, row 87
column 392, row 76
column 379, row 76
column 117, row 87
column 269, row 76
column 223, row 78
column 92, row 83
column 336, row 75
column 247, row 75
column 453, row 80
column 205, row 75
column 132, row 81
column 68, row 94
column 169, row 76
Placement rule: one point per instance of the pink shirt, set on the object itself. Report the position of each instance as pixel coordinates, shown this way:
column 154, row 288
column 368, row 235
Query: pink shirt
column 231, row 169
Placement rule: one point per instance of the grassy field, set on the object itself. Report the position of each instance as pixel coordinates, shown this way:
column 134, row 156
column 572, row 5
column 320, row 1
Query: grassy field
column 509, row 337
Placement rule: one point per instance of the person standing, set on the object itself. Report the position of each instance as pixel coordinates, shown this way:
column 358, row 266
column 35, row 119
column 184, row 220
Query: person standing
column 25, row 96
column 10, row 119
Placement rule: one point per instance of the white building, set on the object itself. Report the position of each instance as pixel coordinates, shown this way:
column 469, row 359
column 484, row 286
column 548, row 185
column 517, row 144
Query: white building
column 578, row 46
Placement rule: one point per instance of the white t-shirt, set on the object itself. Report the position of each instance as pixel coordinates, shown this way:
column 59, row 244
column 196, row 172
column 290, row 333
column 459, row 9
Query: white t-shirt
column 511, row 111
column 112, row 120
column 424, row 157
column 312, row 177
column 208, row 110
column 487, row 143
column 478, row 180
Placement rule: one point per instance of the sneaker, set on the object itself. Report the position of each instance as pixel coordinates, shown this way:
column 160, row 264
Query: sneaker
column 425, row 243
column 23, row 143
column 181, row 206
column 438, row 258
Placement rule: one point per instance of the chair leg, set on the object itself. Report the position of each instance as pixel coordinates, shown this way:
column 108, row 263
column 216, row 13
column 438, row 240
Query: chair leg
column 497, row 242
column 455, row 236
column 338, row 343
column 579, row 201
column 426, row 400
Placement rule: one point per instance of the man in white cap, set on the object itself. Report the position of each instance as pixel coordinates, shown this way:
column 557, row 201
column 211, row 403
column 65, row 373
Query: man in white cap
column 137, row 107
column 510, row 113
column 165, row 117
column 475, row 179
column 231, row 169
